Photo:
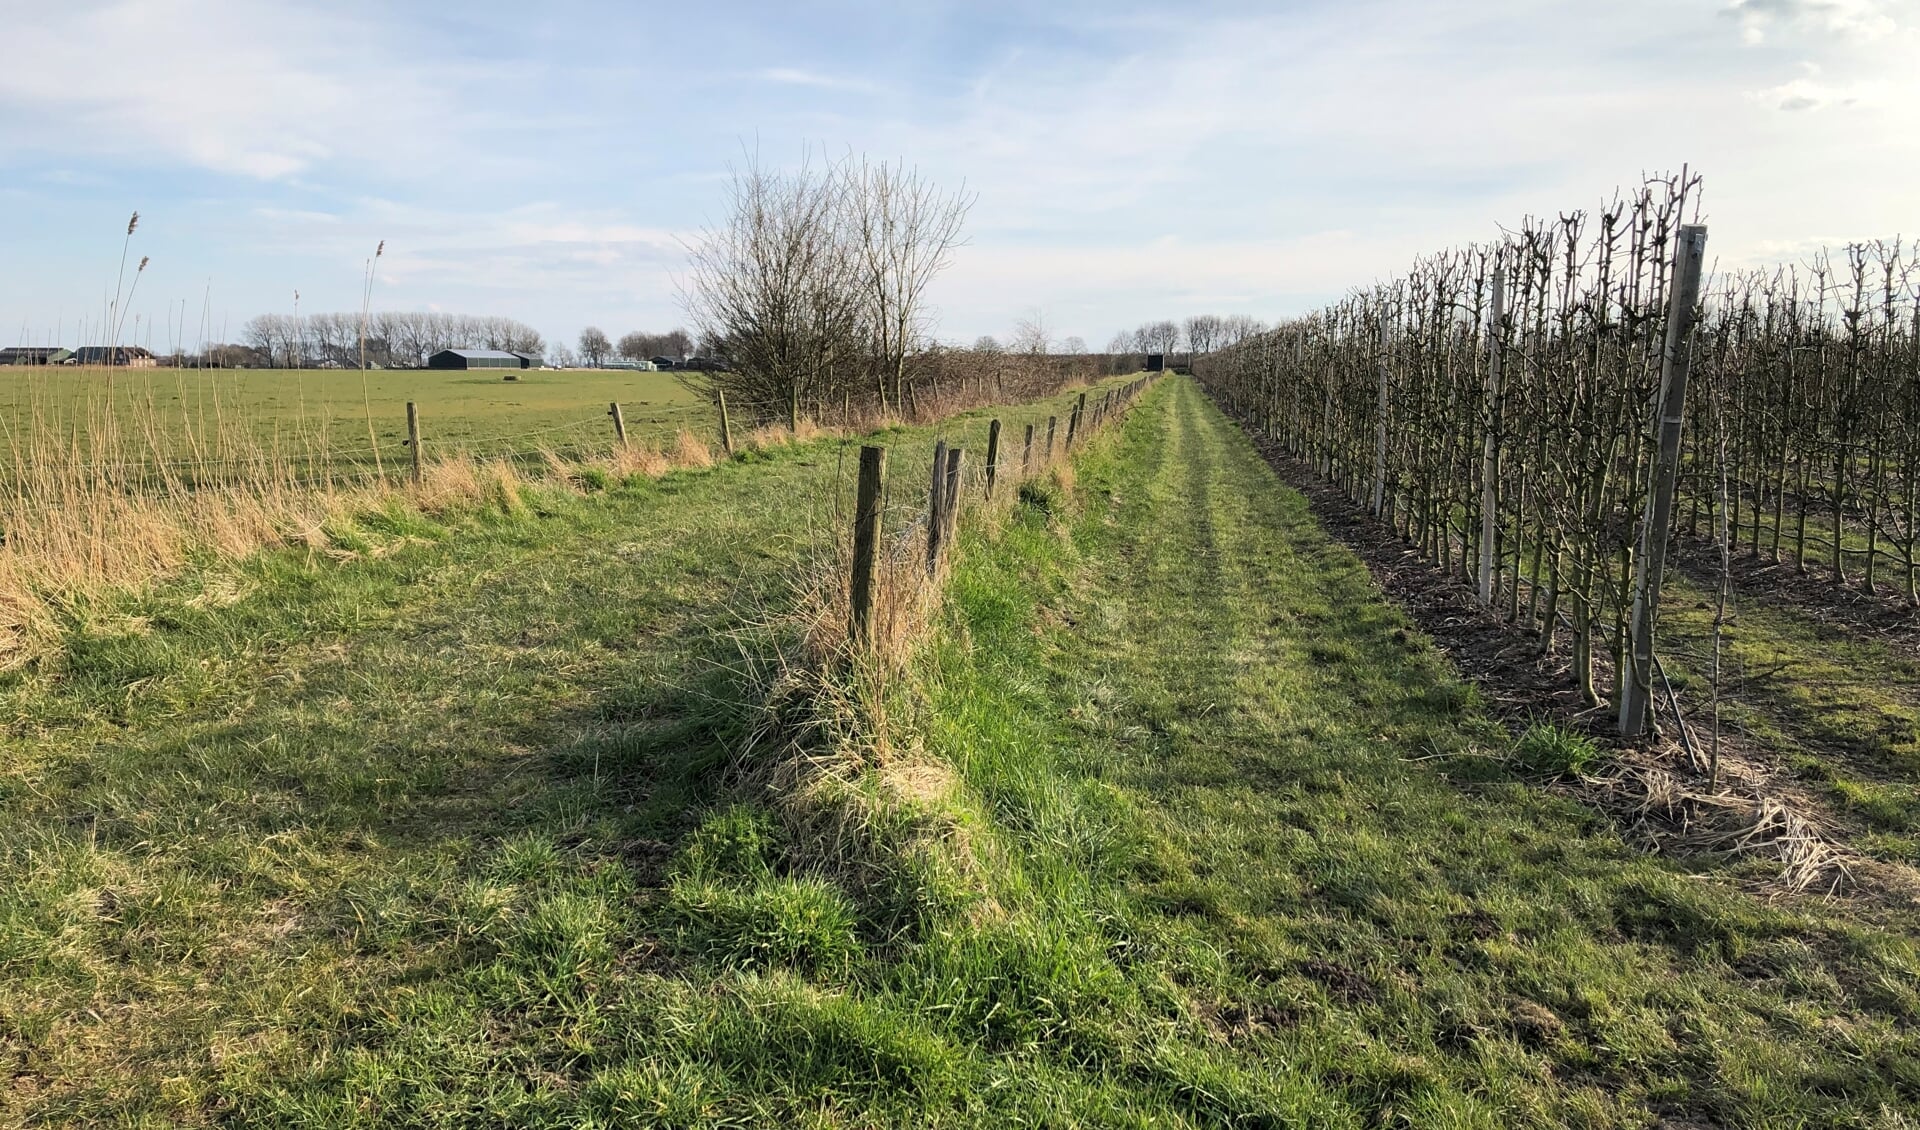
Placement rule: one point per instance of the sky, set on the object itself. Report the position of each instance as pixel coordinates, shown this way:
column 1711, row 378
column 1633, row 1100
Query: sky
column 1130, row 161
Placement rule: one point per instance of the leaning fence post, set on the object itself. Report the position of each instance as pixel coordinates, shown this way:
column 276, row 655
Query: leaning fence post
column 726, row 425
column 619, row 424
column 1636, row 693
column 1052, row 421
column 1073, row 421
column 413, row 437
column 866, row 541
column 1026, row 452
column 936, row 497
column 993, row 454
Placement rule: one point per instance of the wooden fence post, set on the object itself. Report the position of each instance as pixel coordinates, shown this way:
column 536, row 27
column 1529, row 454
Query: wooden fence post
column 619, row 424
column 1636, row 692
column 866, row 541
column 936, row 498
column 950, row 509
column 1051, row 422
column 726, row 425
column 1073, row 420
column 1026, row 452
column 1490, row 447
column 413, row 437
column 993, row 454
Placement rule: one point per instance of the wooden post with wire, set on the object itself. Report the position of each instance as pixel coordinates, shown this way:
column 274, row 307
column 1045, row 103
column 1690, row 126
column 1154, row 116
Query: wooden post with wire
column 413, row 437
column 726, row 425
column 1676, row 359
column 993, row 454
column 619, row 424
column 1026, row 453
column 950, row 509
column 1490, row 446
column 866, row 542
column 936, row 498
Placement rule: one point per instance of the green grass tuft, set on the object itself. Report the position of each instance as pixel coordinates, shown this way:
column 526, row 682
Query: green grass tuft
column 1552, row 750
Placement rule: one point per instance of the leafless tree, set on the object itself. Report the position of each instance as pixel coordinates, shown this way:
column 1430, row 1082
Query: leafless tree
column 904, row 229
column 1203, row 333
column 782, row 284
column 594, row 345
column 640, row 346
column 1030, row 334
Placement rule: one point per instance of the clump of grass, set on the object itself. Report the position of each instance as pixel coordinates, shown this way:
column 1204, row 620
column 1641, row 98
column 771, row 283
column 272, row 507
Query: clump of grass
column 1549, row 749
column 802, row 923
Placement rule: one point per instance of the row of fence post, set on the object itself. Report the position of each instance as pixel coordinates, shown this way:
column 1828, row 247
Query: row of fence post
column 613, row 410
column 944, row 481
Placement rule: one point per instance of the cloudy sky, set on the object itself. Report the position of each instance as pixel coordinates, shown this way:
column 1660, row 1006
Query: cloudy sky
column 1131, row 160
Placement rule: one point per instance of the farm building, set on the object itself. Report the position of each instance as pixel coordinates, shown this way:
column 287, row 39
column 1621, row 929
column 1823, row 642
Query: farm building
column 34, row 355
column 129, row 356
column 480, row 359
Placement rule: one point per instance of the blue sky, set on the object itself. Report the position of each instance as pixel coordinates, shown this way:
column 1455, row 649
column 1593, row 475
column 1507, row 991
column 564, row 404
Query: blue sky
column 1131, row 160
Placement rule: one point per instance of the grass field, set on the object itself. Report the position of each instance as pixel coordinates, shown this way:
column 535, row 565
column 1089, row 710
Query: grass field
column 458, row 826
column 182, row 413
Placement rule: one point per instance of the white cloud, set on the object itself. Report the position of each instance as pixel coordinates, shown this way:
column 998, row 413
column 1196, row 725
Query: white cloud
column 1758, row 19
column 254, row 89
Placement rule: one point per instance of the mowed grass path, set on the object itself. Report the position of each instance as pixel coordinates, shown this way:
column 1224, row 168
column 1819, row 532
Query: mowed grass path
column 1319, row 894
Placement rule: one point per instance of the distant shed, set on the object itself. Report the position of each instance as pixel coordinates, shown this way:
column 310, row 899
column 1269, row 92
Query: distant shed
column 130, row 356
column 34, row 355
column 478, row 359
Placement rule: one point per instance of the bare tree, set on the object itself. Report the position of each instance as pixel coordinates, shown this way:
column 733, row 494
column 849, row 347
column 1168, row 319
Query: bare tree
column 905, row 229
column 1158, row 337
column 641, row 346
column 594, row 346
column 1030, row 334
column 1203, row 333
column 1073, row 345
column 782, row 285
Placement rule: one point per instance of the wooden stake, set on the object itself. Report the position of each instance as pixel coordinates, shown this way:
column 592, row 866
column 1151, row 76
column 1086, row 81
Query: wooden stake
column 936, row 509
column 1380, row 429
column 866, row 541
column 1490, row 447
column 726, row 425
column 950, row 509
column 993, row 454
column 413, row 437
column 1026, row 453
column 1051, row 421
column 1636, row 693
column 619, row 424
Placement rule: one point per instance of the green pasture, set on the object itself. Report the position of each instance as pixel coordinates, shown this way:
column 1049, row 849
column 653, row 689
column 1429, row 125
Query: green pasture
column 179, row 414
